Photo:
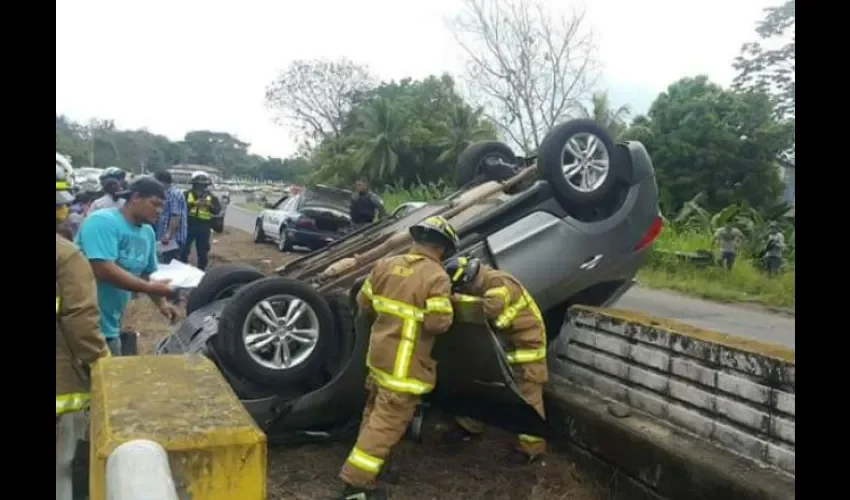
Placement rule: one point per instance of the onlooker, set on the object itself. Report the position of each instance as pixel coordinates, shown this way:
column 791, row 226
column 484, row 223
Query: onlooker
column 120, row 244
column 773, row 249
column 112, row 180
column 730, row 238
column 171, row 226
column 365, row 204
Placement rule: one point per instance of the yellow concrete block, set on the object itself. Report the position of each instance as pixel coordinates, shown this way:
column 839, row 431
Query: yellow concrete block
column 215, row 449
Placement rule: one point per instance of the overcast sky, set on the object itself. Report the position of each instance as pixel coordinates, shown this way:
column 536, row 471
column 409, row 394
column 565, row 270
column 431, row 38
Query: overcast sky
column 172, row 66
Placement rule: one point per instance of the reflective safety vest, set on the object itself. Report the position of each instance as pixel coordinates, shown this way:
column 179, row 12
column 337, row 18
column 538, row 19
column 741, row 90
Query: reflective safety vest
column 197, row 211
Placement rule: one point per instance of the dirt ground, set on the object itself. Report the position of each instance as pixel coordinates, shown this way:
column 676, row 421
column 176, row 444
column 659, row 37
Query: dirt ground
column 424, row 472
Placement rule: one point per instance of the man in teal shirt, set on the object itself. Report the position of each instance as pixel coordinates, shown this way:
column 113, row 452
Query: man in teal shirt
column 121, row 247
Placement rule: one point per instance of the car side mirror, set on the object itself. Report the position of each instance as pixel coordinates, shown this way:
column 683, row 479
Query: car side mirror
column 268, row 204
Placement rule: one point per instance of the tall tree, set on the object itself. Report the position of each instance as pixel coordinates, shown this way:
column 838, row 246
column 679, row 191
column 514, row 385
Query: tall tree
column 315, row 96
column 526, row 65
column 615, row 120
column 402, row 132
column 706, row 139
column 769, row 65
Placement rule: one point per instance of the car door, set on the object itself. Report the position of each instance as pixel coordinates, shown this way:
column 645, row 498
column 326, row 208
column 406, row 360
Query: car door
column 474, row 379
column 288, row 211
column 272, row 216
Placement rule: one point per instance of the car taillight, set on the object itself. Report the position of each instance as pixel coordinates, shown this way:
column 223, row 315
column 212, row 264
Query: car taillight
column 305, row 222
column 651, row 234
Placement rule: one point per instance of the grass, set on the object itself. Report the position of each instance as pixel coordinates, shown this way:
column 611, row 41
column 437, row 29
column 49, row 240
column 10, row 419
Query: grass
column 744, row 283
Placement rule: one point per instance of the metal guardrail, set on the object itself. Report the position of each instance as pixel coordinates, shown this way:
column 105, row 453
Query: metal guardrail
column 139, row 470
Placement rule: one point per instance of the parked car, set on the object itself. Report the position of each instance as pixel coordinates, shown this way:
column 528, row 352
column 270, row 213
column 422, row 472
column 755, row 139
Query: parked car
column 311, row 218
column 573, row 224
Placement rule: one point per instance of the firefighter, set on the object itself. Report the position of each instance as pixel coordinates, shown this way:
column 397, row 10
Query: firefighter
column 203, row 206
column 78, row 339
column 511, row 310
column 407, row 299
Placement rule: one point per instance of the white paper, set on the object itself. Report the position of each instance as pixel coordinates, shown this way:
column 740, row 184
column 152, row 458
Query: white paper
column 181, row 275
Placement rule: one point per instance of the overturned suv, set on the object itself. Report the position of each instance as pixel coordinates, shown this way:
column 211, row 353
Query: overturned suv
column 572, row 224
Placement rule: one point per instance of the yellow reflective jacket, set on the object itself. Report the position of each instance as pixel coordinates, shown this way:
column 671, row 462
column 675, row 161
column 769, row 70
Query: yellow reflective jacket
column 511, row 310
column 79, row 342
column 408, row 297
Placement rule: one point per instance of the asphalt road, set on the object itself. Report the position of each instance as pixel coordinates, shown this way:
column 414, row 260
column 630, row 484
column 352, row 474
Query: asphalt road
column 746, row 322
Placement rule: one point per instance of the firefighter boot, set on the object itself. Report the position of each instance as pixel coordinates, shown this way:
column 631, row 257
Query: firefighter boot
column 519, row 458
column 354, row 493
column 458, row 435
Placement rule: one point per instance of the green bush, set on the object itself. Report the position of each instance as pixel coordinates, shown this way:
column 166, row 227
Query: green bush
column 394, row 196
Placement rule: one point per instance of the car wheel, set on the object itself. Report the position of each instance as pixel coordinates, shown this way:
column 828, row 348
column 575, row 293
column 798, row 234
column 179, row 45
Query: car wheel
column 577, row 159
column 259, row 237
column 283, row 243
column 221, row 282
column 490, row 160
column 276, row 330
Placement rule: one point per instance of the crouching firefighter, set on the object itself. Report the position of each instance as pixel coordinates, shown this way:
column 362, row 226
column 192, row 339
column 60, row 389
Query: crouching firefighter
column 511, row 310
column 407, row 299
column 78, row 339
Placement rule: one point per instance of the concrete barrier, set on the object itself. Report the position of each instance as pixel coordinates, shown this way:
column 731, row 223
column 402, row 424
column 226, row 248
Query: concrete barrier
column 139, row 470
column 675, row 408
column 215, row 450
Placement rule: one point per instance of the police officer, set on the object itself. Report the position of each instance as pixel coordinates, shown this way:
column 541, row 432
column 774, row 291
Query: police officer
column 509, row 308
column 407, row 297
column 202, row 206
column 78, row 339
column 365, row 204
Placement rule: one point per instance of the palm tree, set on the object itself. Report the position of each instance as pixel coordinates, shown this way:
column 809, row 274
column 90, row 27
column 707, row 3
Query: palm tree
column 380, row 136
column 600, row 111
column 464, row 127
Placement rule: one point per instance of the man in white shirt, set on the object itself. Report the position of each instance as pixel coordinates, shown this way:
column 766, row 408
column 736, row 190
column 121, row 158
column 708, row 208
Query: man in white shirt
column 729, row 238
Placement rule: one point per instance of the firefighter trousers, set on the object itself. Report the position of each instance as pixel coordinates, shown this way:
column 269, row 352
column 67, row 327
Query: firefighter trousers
column 385, row 420
column 532, row 390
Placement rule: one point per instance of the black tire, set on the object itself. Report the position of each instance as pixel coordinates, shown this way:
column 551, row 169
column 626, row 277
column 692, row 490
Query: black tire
column 259, row 236
column 553, row 157
column 240, row 305
column 221, row 282
column 471, row 167
column 283, row 243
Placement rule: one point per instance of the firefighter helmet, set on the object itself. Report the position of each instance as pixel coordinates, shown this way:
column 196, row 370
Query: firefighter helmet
column 463, row 270
column 63, row 185
column 436, row 230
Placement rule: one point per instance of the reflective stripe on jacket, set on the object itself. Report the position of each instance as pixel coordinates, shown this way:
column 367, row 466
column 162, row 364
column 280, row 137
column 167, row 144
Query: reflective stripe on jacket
column 512, row 311
column 78, row 339
column 408, row 297
column 199, row 211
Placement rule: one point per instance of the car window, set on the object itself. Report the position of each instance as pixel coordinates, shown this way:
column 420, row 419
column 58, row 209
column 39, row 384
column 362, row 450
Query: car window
column 280, row 203
column 290, row 204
